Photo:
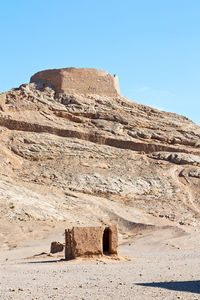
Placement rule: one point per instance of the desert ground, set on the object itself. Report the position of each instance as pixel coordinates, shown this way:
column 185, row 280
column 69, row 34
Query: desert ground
column 155, row 264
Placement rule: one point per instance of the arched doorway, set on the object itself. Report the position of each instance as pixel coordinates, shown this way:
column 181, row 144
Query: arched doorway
column 106, row 241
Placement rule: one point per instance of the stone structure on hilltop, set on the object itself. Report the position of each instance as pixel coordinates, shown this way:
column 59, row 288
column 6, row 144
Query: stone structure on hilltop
column 79, row 81
column 87, row 241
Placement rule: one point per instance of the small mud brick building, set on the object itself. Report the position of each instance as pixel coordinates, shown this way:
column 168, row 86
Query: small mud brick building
column 86, row 241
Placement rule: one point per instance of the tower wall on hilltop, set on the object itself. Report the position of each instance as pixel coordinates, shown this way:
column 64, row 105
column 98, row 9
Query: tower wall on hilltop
column 79, row 81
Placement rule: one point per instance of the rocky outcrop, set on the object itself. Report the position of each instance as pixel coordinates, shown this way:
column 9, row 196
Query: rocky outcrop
column 178, row 158
column 91, row 159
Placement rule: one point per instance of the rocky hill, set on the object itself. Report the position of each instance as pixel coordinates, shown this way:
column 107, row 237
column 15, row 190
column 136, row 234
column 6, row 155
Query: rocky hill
column 76, row 152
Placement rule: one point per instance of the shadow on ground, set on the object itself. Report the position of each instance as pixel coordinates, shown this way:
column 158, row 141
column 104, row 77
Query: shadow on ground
column 183, row 286
column 45, row 261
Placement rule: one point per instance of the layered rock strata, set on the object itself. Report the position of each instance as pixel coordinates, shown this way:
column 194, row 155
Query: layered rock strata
column 93, row 159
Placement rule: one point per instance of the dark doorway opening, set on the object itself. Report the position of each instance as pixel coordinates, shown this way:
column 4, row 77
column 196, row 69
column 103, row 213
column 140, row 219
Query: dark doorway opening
column 106, row 241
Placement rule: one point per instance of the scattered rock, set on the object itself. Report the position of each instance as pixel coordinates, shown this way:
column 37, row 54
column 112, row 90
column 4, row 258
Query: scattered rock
column 56, row 247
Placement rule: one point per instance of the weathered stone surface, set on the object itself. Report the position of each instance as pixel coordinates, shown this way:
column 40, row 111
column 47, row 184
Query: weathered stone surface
column 178, row 158
column 79, row 81
column 191, row 172
column 56, row 247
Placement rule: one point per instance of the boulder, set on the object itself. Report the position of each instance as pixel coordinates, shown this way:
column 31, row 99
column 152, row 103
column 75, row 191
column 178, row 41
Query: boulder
column 56, row 247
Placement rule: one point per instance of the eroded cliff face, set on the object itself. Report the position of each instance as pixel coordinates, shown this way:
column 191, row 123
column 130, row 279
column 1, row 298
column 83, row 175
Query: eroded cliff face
column 88, row 159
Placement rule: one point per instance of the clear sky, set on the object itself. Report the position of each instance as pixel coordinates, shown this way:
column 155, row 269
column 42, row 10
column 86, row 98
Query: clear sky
column 152, row 45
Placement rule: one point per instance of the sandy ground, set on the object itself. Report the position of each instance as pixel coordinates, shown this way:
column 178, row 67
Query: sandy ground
column 163, row 264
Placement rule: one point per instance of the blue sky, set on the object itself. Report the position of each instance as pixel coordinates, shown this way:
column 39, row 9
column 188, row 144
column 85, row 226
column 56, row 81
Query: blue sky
column 153, row 45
